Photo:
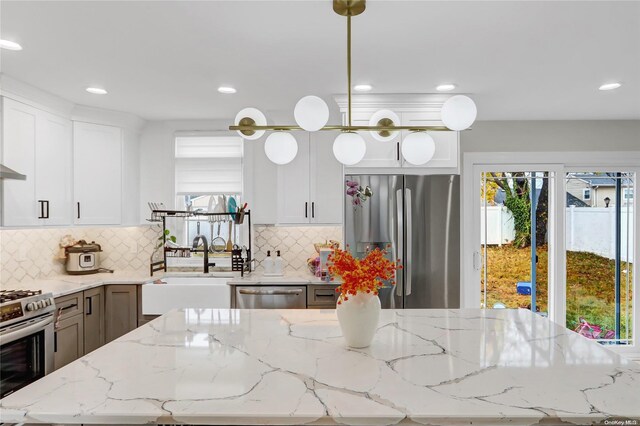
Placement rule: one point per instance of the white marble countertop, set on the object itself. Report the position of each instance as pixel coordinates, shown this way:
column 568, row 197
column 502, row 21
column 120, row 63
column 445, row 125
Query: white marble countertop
column 62, row 285
column 292, row 367
column 289, row 278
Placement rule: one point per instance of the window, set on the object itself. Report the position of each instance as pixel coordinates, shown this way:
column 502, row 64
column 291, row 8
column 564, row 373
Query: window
column 586, row 194
column 208, row 173
column 628, row 193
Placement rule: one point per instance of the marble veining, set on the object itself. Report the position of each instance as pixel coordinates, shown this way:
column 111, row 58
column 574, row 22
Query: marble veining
column 430, row 367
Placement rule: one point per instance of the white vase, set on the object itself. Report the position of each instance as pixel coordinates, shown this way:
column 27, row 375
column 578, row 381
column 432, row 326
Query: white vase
column 358, row 317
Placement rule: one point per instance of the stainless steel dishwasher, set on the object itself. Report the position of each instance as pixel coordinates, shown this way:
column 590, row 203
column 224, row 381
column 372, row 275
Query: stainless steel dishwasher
column 270, row 297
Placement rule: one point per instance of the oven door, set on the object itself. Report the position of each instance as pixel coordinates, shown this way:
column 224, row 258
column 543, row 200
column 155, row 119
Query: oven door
column 26, row 353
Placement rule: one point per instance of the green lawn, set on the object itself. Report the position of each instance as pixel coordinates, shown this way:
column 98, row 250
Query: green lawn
column 590, row 284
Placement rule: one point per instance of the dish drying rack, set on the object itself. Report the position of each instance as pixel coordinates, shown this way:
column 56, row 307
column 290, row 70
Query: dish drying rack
column 238, row 263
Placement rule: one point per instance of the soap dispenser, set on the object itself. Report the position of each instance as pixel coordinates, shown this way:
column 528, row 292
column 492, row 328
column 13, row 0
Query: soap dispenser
column 269, row 264
column 278, row 265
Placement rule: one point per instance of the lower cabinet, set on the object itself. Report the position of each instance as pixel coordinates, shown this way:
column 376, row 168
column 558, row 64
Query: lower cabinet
column 87, row 320
column 68, row 340
column 121, row 310
column 94, row 335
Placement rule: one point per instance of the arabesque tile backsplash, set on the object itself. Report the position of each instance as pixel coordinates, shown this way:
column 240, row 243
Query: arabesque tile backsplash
column 294, row 242
column 27, row 254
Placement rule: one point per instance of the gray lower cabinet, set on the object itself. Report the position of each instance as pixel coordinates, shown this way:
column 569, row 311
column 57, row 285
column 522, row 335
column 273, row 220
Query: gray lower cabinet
column 321, row 296
column 68, row 340
column 121, row 310
column 94, row 335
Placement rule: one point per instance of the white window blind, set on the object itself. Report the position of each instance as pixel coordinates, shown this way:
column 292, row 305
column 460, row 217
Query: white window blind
column 208, row 165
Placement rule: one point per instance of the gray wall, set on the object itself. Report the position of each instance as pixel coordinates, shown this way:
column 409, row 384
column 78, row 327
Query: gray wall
column 506, row 136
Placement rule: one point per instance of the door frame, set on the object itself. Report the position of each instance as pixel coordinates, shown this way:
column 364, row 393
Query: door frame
column 559, row 163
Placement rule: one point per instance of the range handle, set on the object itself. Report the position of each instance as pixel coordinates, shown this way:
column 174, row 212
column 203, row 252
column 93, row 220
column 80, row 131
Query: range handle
column 407, row 197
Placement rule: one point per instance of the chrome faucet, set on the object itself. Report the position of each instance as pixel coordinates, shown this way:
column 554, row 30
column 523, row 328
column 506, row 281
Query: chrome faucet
column 205, row 246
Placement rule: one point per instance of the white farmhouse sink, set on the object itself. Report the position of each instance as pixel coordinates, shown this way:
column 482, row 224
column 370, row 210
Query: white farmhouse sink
column 185, row 292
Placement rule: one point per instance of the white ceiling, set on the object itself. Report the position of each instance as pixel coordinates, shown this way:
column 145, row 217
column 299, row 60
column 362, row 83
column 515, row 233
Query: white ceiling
column 165, row 60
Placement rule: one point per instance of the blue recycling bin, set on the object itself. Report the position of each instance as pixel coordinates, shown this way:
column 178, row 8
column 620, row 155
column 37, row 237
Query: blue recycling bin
column 524, row 288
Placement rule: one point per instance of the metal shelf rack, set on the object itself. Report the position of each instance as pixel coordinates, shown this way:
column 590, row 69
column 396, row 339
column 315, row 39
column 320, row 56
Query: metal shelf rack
column 238, row 263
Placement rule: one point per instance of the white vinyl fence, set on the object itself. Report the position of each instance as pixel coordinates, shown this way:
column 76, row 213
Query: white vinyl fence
column 589, row 229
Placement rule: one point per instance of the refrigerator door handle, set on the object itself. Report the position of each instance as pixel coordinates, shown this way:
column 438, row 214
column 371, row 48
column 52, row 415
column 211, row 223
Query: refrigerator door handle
column 407, row 260
column 400, row 230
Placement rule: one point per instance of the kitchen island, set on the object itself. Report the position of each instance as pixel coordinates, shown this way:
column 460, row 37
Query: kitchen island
column 292, row 367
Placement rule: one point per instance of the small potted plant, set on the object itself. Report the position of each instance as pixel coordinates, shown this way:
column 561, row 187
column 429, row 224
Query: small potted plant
column 359, row 307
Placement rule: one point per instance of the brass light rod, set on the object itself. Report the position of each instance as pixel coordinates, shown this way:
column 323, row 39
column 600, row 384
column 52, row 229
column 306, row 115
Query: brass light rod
column 345, row 128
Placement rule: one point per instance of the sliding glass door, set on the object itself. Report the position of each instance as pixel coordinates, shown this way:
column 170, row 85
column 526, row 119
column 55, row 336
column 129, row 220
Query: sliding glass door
column 600, row 254
column 515, row 225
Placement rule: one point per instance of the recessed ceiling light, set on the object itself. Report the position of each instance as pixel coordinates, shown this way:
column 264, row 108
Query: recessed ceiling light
column 96, row 91
column 10, row 45
column 362, row 87
column 445, row 87
column 226, row 89
column 610, row 86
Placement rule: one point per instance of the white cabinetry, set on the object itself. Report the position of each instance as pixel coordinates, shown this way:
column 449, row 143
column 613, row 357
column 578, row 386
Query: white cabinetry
column 97, row 174
column 379, row 154
column 294, row 203
column 418, row 110
column 446, row 142
column 310, row 187
column 37, row 144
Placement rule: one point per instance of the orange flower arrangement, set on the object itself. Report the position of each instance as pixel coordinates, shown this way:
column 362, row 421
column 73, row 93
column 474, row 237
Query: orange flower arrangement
column 361, row 275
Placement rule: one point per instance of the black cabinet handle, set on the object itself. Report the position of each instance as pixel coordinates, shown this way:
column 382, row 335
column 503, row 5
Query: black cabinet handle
column 55, row 341
column 78, row 209
column 41, row 203
column 398, row 151
column 47, row 203
column 89, row 305
column 306, row 209
column 313, row 209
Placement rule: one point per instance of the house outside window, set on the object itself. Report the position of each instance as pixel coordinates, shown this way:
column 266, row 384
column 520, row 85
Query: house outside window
column 586, row 194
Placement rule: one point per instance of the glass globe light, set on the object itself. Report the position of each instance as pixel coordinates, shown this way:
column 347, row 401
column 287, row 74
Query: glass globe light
column 281, row 147
column 349, row 148
column 418, row 148
column 384, row 116
column 311, row 113
column 251, row 114
column 459, row 112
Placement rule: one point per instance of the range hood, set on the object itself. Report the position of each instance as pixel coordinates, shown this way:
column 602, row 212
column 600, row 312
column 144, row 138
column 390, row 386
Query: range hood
column 7, row 173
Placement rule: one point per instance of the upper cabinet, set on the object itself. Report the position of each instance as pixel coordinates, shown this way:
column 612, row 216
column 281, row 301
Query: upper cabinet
column 418, row 110
column 97, row 174
column 306, row 191
column 310, row 187
column 37, row 144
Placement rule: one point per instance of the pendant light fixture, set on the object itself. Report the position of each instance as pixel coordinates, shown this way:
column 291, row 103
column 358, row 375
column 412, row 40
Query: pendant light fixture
column 312, row 114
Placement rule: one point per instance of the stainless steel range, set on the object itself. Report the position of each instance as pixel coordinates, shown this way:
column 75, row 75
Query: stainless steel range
column 26, row 338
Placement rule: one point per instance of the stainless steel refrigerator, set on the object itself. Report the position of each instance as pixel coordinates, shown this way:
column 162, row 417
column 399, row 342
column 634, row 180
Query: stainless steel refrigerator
column 418, row 217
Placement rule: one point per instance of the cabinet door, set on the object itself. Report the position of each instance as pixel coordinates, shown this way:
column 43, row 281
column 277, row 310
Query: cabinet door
column 446, row 142
column 68, row 341
column 18, row 153
column 379, row 154
column 93, row 319
column 293, row 185
column 327, row 180
column 97, row 174
column 260, row 180
column 121, row 310
column 53, row 168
